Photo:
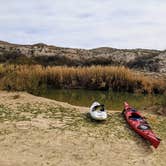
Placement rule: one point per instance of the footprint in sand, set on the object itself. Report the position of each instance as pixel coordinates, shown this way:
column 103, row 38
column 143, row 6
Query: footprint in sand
column 23, row 125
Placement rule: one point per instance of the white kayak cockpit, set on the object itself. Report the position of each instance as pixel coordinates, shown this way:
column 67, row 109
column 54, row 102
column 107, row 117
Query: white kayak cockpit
column 97, row 111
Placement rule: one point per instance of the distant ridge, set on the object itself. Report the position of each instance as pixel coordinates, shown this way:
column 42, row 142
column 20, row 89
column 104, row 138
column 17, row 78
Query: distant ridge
column 147, row 60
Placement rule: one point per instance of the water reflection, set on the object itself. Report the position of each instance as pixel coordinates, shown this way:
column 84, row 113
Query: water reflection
column 112, row 100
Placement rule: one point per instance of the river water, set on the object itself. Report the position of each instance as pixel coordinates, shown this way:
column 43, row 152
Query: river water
column 112, row 100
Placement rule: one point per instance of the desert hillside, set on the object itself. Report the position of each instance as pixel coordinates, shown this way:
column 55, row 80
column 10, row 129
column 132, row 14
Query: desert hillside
column 141, row 59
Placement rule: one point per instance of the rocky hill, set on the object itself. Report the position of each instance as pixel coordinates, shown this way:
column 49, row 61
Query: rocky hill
column 141, row 59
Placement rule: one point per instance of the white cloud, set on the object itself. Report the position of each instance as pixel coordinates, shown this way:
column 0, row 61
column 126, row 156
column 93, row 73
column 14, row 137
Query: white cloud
column 85, row 24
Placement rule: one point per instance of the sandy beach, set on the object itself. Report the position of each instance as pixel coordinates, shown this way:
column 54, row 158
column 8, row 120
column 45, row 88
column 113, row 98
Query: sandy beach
column 39, row 131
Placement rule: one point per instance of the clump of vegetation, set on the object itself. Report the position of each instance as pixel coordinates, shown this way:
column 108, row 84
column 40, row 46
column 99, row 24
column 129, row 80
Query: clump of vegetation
column 162, row 109
column 17, row 96
column 7, row 114
column 36, row 78
column 164, row 101
column 23, row 78
column 15, row 57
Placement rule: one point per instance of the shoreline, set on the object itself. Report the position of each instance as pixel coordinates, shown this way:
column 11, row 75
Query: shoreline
column 24, row 97
column 39, row 131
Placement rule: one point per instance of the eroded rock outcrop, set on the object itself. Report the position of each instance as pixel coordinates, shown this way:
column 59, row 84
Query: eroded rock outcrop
column 141, row 59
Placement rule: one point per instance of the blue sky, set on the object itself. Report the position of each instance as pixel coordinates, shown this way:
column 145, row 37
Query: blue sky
column 85, row 23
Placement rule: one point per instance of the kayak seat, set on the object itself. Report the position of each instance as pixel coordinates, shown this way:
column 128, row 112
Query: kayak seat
column 135, row 116
column 102, row 109
column 98, row 107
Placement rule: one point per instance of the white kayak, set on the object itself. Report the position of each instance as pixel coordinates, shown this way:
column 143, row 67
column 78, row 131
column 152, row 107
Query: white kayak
column 97, row 111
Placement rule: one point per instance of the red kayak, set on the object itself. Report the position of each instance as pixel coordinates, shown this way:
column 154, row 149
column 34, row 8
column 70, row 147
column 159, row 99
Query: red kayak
column 139, row 124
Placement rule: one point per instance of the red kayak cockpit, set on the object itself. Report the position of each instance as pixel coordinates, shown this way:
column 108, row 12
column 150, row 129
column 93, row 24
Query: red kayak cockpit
column 135, row 116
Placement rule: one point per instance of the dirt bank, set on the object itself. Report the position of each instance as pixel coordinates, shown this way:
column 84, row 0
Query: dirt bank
column 38, row 131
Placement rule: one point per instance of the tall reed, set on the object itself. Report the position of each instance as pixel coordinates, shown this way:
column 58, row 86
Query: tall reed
column 34, row 78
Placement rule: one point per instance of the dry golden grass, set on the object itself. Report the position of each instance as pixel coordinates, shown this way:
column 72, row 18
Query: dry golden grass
column 34, row 78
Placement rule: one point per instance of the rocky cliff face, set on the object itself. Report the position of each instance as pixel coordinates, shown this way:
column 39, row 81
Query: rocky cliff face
column 141, row 59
